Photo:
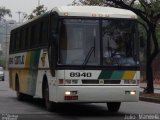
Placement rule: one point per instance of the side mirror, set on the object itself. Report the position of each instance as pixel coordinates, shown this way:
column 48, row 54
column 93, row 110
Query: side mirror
column 52, row 59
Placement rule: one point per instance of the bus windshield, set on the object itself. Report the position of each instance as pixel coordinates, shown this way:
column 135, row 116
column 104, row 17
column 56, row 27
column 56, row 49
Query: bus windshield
column 119, row 42
column 80, row 42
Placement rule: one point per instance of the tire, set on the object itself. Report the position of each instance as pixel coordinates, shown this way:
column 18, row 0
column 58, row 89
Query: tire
column 113, row 106
column 20, row 96
column 48, row 104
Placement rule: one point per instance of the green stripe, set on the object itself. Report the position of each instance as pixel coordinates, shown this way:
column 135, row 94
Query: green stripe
column 117, row 75
column 105, row 74
column 114, row 75
column 34, row 59
column 33, row 72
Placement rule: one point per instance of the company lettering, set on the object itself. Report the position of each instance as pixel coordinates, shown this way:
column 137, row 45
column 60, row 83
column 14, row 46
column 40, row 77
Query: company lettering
column 19, row 59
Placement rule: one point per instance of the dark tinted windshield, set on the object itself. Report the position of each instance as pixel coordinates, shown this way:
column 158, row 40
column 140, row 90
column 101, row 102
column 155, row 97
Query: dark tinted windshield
column 119, row 45
column 88, row 42
column 79, row 42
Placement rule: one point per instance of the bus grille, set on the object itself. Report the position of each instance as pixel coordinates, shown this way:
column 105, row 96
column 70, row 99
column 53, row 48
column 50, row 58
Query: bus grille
column 84, row 81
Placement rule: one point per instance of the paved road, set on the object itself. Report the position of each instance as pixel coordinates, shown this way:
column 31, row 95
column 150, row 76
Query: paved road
column 11, row 108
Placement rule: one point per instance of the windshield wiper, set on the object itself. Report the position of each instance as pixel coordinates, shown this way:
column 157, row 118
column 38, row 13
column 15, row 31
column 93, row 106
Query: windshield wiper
column 92, row 49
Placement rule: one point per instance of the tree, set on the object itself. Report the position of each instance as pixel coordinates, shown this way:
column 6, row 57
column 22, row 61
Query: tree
column 149, row 12
column 4, row 12
column 37, row 11
column 88, row 2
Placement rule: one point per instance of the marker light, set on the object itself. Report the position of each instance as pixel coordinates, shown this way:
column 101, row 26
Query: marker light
column 94, row 15
column 61, row 81
column 66, row 14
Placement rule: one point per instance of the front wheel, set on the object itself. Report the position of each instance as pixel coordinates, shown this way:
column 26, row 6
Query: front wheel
column 20, row 96
column 113, row 106
column 48, row 104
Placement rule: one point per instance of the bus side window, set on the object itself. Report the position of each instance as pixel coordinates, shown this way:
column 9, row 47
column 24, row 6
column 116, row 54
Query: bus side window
column 54, row 24
column 29, row 39
column 45, row 31
column 26, row 38
column 41, row 32
column 36, row 35
column 23, row 39
column 14, row 42
column 11, row 43
column 52, row 50
column 20, row 39
column 17, row 41
column 32, row 40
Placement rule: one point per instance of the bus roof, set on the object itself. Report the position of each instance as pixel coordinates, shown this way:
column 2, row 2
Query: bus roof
column 87, row 11
column 94, row 11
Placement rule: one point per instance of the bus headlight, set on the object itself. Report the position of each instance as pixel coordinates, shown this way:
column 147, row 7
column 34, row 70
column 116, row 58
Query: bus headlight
column 130, row 92
column 71, row 95
column 67, row 93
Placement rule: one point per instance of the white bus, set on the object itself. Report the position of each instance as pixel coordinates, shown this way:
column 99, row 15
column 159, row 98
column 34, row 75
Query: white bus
column 77, row 54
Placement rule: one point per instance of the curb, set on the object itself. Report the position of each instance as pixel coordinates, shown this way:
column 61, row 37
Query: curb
column 149, row 99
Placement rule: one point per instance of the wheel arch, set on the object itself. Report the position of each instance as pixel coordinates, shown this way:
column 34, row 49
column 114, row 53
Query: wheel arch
column 44, row 82
column 17, row 82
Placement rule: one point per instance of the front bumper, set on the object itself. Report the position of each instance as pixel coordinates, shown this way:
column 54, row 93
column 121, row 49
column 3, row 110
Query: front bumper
column 99, row 94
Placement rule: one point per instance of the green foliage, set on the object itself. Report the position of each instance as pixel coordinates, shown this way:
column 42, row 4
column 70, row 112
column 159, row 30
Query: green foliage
column 2, row 62
column 150, row 9
column 37, row 11
column 88, row 2
column 4, row 11
column 149, row 17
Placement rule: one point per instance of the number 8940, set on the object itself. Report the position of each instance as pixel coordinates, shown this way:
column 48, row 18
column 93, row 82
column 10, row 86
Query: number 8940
column 78, row 74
